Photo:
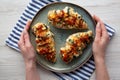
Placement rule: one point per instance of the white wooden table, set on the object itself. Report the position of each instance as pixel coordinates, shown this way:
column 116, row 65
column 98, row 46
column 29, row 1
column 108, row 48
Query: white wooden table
column 11, row 62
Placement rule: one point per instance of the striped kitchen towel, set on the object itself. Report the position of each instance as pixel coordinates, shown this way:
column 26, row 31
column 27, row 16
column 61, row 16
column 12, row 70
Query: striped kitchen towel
column 83, row 73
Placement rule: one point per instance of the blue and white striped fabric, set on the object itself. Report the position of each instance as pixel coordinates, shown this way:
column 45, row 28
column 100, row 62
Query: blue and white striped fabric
column 83, row 73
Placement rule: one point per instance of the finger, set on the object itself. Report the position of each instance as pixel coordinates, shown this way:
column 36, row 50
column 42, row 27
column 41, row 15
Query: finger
column 27, row 25
column 26, row 35
column 98, row 31
column 101, row 23
column 21, row 42
column 26, row 28
column 97, row 19
column 26, row 38
column 104, row 30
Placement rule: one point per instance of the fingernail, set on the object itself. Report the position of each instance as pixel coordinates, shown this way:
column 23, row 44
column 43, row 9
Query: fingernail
column 29, row 20
column 94, row 15
column 98, row 24
column 24, row 31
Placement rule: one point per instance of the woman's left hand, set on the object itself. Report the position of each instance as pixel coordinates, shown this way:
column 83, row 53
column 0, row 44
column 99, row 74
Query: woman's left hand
column 25, row 46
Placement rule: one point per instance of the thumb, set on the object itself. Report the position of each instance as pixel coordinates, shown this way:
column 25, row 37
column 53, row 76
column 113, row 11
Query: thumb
column 27, row 25
column 98, row 31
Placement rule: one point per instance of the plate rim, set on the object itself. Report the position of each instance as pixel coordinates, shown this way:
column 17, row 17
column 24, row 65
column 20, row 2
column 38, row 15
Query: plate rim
column 63, row 71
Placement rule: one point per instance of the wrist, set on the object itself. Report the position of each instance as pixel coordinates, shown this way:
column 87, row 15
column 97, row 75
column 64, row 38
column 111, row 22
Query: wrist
column 29, row 60
column 99, row 60
column 30, row 64
column 99, row 55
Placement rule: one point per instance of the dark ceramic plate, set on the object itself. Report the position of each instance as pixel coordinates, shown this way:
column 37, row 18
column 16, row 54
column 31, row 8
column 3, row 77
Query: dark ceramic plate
column 60, row 37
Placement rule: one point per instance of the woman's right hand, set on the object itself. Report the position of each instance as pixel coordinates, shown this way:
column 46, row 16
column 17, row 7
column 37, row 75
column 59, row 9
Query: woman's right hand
column 101, row 39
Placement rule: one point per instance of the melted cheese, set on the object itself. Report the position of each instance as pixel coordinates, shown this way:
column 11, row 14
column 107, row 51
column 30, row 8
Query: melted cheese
column 75, row 44
column 44, row 42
